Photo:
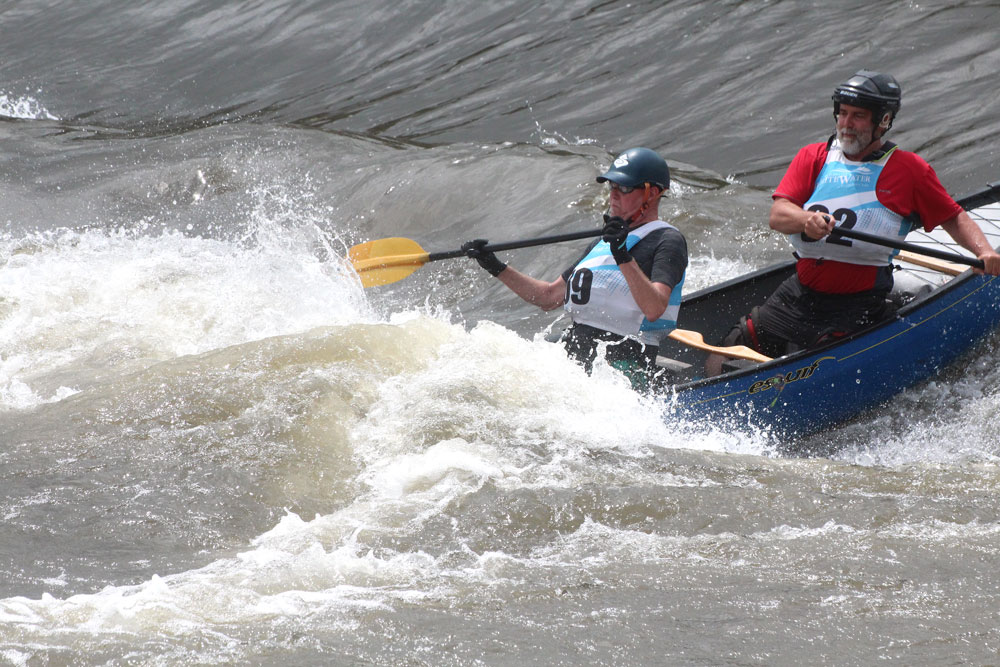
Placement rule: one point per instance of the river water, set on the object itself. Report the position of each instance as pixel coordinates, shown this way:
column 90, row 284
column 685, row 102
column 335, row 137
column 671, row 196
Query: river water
column 216, row 448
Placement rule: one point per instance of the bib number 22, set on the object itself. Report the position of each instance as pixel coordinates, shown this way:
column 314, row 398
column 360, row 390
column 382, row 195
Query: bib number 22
column 846, row 219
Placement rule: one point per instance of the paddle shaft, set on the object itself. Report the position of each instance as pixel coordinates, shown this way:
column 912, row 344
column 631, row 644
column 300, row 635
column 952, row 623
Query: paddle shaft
column 526, row 243
column 910, row 247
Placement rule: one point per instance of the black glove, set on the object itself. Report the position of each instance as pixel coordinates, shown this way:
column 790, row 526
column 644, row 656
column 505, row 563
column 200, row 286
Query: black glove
column 487, row 260
column 616, row 233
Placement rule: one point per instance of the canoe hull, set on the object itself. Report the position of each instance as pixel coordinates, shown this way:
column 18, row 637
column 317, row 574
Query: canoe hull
column 806, row 392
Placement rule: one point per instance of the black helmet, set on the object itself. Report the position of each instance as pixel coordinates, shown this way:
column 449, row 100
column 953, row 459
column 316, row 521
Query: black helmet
column 871, row 90
column 637, row 166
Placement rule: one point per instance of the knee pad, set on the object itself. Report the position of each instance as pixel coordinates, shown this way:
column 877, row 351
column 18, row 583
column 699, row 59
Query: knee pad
column 745, row 333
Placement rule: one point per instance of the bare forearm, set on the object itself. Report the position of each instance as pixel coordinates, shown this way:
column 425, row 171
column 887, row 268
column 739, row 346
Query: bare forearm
column 652, row 298
column 546, row 296
column 788, row 217
column 967, row 234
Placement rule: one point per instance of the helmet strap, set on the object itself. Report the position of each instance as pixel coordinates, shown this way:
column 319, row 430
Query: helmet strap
column 646, row 201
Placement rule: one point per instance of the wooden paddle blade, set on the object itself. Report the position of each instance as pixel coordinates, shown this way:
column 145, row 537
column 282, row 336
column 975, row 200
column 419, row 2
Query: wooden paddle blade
column 696, row 340
column 385, row 261
column 931, row 263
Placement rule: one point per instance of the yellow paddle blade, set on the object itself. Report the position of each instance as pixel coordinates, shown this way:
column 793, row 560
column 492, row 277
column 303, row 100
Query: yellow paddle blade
column 385, row 261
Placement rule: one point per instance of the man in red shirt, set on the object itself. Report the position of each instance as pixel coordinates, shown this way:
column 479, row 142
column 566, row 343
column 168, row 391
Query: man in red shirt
column 856, row 180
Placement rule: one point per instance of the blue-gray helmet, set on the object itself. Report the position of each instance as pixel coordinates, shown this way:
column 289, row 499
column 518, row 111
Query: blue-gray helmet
column 875, row 91
column 637, row 166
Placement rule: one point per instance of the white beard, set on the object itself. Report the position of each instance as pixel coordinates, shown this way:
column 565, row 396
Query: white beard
column 853, row 143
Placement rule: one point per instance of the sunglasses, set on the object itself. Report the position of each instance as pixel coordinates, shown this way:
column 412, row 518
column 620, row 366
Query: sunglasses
column 624, row 189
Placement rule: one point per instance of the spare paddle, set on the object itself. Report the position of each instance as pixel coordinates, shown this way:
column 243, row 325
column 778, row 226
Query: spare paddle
column 385, row 261
column 696, row 340
column 910, row 247
column 931, row 263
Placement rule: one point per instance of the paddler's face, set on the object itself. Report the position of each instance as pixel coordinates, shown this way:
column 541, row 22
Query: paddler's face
column 855, row 128
column 625, row 201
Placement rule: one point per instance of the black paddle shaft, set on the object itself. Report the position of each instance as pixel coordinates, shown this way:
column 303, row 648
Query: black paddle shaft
column 837, row 231
column 527, row 243
column 903, row 245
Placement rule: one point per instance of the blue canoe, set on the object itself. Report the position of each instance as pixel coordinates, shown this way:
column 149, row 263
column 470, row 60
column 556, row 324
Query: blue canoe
column 940, row 318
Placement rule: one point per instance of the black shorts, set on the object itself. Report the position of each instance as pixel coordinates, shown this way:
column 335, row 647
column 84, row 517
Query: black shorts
column 636, row 360
column 796, row 317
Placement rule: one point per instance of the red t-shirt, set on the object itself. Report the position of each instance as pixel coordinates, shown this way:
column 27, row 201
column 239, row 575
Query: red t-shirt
column 906, row 185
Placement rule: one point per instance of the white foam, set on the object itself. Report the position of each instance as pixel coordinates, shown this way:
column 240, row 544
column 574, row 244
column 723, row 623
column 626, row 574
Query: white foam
column 24, row 107
column 947, row 421
column 480, row 407
column 75, row 299
column 492, row 408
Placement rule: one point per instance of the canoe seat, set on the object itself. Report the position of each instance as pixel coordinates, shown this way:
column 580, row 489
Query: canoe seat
column 675, row 366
